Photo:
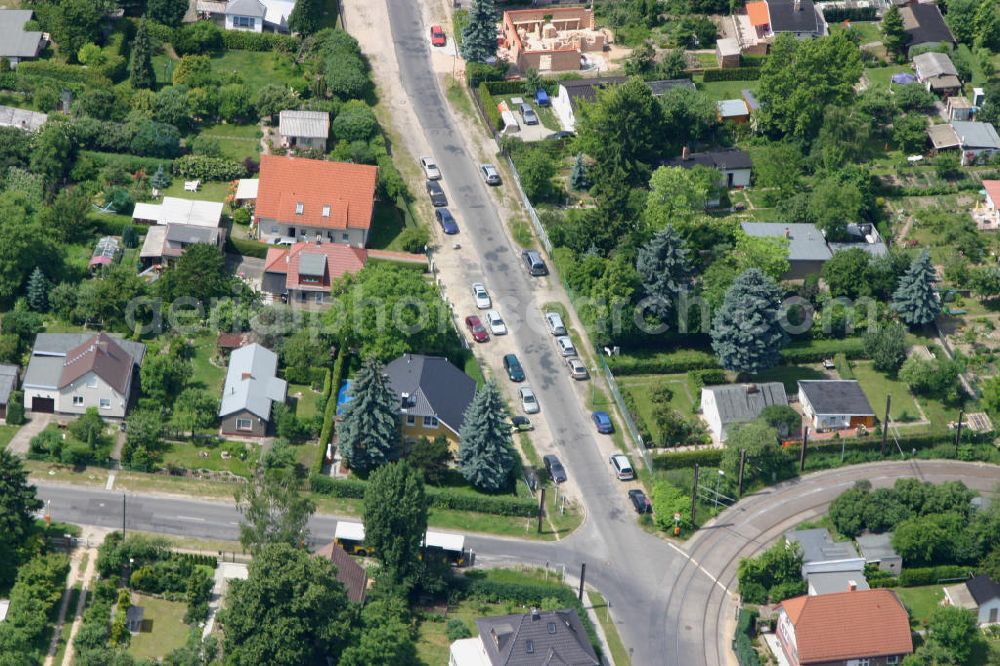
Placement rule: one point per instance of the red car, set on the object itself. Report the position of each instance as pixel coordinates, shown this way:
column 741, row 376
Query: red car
column 437, row 36
column 477, row 329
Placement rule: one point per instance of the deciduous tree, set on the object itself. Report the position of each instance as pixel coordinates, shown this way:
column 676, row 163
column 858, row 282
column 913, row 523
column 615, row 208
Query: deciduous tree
column 746, row 331
column 677, row 194
column 273, row 510
column 306, row 17
column 886, row 346
column 200, row 274
column 485, row 455
column 18, row 504
column 395, row 517
column 369, row 429
column 764, row 455
column 168, row 12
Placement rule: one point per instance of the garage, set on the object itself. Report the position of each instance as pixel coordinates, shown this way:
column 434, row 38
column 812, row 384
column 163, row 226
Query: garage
column 43, row 405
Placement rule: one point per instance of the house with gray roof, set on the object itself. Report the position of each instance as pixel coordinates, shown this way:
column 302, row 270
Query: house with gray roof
column 734, row 166
column 729, row 405
column 253, row 15
column 304, row 129
column 877, row 549
column 252, row 387
column 821, row 554
column 70, row 372
column 22, row 119
column 8, row 384
column 536, row 638
column 835, row 404
column 980, row 594
column 808, row 248
column 937, row 73
column 16, row 43
column 433, row 396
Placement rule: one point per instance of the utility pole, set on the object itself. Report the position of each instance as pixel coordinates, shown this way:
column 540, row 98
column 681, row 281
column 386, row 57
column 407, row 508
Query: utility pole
column 958, row 430
column 583, row 576
column 541, row 508
column 123, row 517
column 694, row 496
column 885, row 424
column 802, row 452
column 743, row 464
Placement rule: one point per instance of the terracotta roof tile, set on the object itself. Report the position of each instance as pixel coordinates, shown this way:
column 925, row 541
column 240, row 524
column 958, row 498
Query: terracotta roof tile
column 849, row 625
column 340, row 259
column 349, row 572
column 759, row 16
column 333, row 195
column 992, row 188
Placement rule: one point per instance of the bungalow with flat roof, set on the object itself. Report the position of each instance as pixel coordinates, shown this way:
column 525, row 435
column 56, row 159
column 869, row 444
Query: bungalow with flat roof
column 303, row 198
column 729, row 405
column 304, row 129
column 732, row 110
column 252, row 387
column 877, row 549
column 975, row 141
column 16, row 43
column 835, row 404
column 821, row 554
column 176, row 225
column 69, row 372
column 433, row 396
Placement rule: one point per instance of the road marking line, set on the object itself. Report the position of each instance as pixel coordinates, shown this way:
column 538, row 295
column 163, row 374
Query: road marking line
column 697, row 565
column 111, row 481
column 199, row 520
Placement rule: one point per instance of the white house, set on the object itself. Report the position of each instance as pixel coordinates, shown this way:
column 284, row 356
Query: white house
column 835, row 404
column 992, row 188
column 571, row 93
column 728, row 405
column 258, row 15
column 304, row 129
column 822, row 555
column 980, row 594
column 733, row 164
column 69, row 372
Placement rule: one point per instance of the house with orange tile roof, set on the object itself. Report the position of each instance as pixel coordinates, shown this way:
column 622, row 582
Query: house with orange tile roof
column 306, row 271
column 797, row 17
column 303, row 199
column 992, row 188
column 844, row 629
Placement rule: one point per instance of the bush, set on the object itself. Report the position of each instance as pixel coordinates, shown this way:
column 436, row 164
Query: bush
column 841, row 14
column 35, row 70
column 330, row 411
column 843, row 366
column 662, row 363
column 682, row 459
column 476, row 73
column 456, row 629
column 131, row 163
column 743, row 642
column 917, row 576
column 414, row 239
column 200, row 167
column 732, row 74
column 699, row 379
column 490, row 106
column 259, row 41
column 197, row 38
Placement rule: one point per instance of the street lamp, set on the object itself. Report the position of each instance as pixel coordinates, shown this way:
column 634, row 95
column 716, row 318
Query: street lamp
column 718, row 480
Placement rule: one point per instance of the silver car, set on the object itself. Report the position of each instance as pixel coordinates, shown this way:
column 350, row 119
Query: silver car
column 565, row 345
column 495, row 322
column 577, row 368
column 555, row 323
column 490, row 174
column 529, row 403
column 528, row 115
column 483, row 301
column 430, row 168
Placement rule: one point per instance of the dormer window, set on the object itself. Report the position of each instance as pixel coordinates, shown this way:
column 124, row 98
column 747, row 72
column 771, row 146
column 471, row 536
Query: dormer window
column 326, row 211
column 299, row 207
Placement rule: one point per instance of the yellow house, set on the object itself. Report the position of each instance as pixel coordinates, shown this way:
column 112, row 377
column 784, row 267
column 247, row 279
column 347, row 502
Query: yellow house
column 433, row 396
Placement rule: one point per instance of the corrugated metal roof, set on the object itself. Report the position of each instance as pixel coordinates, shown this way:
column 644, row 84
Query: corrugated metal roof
column 174, row 210
column 307, row 124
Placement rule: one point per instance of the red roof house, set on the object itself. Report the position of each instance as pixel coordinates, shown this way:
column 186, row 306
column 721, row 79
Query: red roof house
column 845, row 627
column 302, row 198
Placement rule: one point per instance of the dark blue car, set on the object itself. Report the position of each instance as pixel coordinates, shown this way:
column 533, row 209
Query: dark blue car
column 446, row 220
column 603, row 422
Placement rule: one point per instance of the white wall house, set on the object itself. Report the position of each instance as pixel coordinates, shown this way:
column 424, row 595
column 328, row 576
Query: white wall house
column 980, row 594
column 728, row 405
column 835, row 404
column 246, row 15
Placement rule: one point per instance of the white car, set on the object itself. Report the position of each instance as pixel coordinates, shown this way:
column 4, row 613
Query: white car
column 482, row 296
column 495, row 322
column 529, row 403
column 577, row 369
column 430, row 168
column 565, row 345
column 555, row 323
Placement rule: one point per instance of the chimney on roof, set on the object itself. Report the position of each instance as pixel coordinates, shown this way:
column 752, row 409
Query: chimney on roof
column 852, row 586
column 788, row 232
column 535, row 615
column 685, row 153
column 751, row 389
column 319, row 239
column 798, row 5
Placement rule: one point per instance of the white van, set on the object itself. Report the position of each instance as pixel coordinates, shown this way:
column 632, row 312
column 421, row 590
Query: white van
column 623, row 468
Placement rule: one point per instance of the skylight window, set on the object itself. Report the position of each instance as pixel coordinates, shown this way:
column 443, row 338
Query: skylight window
column 326, row 211
column 530, row 646
column 299, row 207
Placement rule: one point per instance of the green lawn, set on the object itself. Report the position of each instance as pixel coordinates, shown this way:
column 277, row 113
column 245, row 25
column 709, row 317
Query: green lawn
column 920, row 601
column 167, row 629
column 883, row 75
column 386, row 227
column 618, row 653
column 305, row 407
column 237, row 142
column 640, row 388
column 208, row 191
column 7, row 434
column 189, row 455
column 877, row 386
column 867, row 29
column 257, row 68
column 718, row 90
column 789, row 375
column 207, row 375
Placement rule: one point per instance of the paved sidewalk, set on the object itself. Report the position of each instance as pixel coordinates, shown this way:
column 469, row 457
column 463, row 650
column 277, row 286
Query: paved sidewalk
column 22, row 438
column 223, row 574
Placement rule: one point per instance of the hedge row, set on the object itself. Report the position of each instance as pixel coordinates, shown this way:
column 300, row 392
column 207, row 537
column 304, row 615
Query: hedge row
column 490, row 106
column 732, row 74
column 330, row 410
column 743, row 640
column 202, row 167
column 247, row 248
column 682, row 459
column 112, row 226
column 239, row 40
column 664, row 363
column 812, row 351
column 515, row 87
column 440, row 498
column 527, row 594
column 840, row 14
column 130, row 163
column 57, row 71
column 477, row 72
column 914, row 577
column 698, row 379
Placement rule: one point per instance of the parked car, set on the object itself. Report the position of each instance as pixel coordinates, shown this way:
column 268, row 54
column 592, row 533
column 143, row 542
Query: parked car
column 446, row 220
column 640, row 501
column 436, row 193
column 534, row 263
column 490, row 174
column 482, row 296
column 603, row 422
column 437, row 36
column 430, row 168
column 495, row 322
column 528, row 114
column 577, row 368
column 555, row 468
column 476, row 328
column 529, row 403
column 283, row 241
column 521, row 423
column 623, row 468
column 513, row 368
column 565, row 346
column 555, row 323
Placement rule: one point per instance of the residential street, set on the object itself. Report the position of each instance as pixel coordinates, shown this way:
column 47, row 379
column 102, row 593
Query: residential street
column 668, row 609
